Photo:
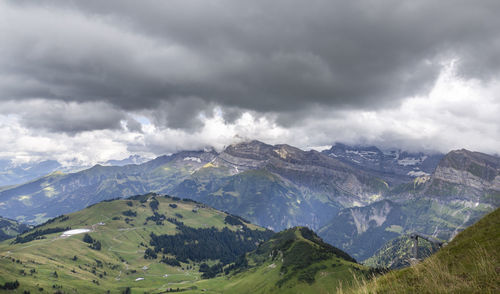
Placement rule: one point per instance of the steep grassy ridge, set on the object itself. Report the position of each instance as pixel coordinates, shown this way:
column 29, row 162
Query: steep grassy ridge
column 293, row 261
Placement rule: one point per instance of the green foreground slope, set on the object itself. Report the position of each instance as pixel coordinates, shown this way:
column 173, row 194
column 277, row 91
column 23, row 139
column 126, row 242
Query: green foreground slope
column 469, row 264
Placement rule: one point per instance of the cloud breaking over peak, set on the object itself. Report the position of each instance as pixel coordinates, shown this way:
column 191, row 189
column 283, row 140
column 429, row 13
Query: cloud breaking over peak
column 154, row 77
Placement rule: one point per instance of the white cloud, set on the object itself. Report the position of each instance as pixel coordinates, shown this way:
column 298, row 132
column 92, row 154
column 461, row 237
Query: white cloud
column 457, row 113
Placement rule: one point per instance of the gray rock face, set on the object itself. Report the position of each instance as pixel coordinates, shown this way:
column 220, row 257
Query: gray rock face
column 308, row 170
column 468, row 175
column 375, row 217
column 362, row 230
column 394, row 166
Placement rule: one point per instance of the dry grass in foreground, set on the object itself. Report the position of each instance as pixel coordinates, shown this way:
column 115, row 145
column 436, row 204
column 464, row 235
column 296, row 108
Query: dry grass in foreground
column 469, row 264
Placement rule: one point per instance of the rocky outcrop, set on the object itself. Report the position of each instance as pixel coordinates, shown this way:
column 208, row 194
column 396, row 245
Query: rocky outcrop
column 310, row 170
column 467, row 175
column 393, row 166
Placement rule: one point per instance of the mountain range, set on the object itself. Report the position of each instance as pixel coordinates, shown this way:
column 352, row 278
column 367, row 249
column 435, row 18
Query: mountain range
column 14, row 174
column 356, row 198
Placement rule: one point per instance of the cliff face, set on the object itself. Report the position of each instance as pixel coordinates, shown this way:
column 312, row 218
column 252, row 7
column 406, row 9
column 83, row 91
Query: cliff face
column 311, row 171
column 362, row 230
column 469, row 175
column 279, row 186
column 394, row 166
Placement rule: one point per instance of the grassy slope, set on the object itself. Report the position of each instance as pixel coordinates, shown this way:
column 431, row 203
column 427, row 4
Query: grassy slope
column 120, row 261
column 121, row 254
column 265, row 270
column 469, row 264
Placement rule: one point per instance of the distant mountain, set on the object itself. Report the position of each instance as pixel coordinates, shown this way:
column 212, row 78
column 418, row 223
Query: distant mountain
column 132, row 159
column 397, row 253
column 10, row 228
column 279, row 186
column 13, row 174
column 468, row 264
column 393, row 165
column 276, row 186
column 59, row 193
column 464, row 187
column 467, row 175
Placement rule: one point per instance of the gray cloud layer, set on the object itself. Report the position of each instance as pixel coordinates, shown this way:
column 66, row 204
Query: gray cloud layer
column 260, row 55
column 177, row 61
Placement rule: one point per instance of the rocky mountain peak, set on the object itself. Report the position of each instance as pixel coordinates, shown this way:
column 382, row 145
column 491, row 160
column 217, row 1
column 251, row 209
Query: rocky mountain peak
column 473, row 175
column 250, row 149
column 480, row 164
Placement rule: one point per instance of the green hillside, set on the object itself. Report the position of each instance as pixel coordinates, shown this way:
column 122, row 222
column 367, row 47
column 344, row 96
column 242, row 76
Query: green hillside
column 292, row 261
column 154, row 244
column 469, row 264
column 119, row 249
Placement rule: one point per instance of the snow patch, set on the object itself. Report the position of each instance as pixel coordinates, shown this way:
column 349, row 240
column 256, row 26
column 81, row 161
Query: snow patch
column 409, row 161
column 419, row 173
column 196, row 159
column 352, row 152
column 412, row 160
column 74, row 232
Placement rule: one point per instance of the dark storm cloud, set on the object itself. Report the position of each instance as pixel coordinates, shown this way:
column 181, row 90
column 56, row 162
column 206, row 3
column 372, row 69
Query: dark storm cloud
column 268, row 56
column 67, row 117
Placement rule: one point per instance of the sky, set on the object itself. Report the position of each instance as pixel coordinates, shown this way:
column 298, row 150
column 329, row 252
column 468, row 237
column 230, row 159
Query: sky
column 88, row 81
